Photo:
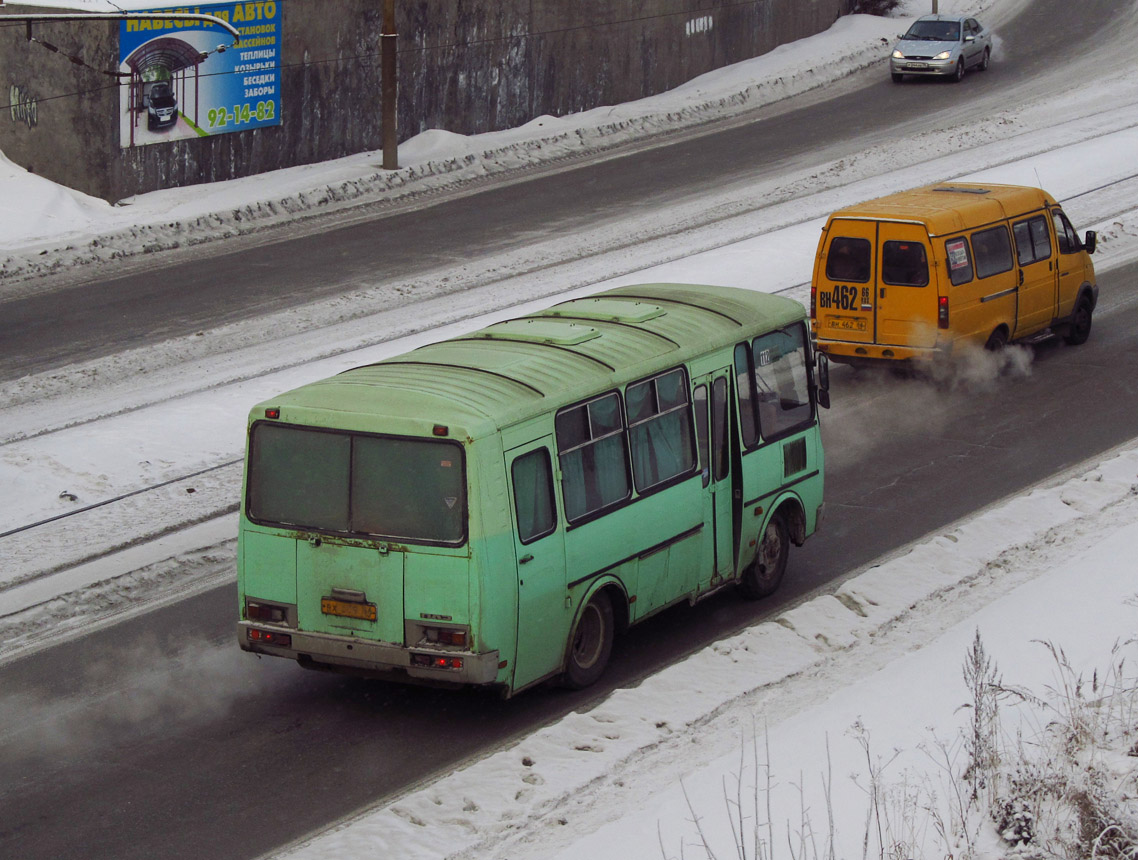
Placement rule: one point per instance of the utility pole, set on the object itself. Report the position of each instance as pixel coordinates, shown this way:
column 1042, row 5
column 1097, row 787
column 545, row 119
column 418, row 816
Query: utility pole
column 934, row 7
column 388, row 41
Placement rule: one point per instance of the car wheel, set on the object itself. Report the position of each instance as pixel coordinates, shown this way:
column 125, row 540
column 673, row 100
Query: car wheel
column 958, row 75
column 591, row 643
column 763, row 576
column 897, row 77
column 986, row 59
column 1081, row 324
column 997, row 341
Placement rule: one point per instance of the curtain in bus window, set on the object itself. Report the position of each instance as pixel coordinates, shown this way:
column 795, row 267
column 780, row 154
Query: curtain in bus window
column 408, row 488
column 719, row 445
column 699, row 397
column 299, row 477
column 659, row 429
column 593, row 455
column 782, row 381
column 533, row 495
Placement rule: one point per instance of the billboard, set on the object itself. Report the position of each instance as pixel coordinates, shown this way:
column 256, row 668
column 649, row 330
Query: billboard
column 184, row 79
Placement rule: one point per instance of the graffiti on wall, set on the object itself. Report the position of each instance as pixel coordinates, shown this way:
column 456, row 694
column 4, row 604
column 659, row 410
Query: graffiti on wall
column 23, row 106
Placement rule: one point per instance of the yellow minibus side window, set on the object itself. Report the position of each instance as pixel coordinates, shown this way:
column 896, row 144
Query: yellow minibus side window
column 993, row 251
column 1033, row 241
column 959, row 260
column 1065, row 234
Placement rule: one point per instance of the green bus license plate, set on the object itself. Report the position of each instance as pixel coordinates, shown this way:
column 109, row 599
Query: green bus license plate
column 847, row 323
column 347, row 609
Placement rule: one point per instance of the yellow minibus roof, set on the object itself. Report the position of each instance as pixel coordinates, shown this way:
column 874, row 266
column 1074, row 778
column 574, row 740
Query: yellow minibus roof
column 949, row 207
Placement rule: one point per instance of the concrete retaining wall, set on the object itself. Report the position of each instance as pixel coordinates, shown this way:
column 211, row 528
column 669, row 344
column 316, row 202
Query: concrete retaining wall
column 467, row 66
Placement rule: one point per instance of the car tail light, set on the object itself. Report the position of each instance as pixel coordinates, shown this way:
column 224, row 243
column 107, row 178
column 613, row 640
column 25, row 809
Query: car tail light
column 270, row 637
column 942, row 312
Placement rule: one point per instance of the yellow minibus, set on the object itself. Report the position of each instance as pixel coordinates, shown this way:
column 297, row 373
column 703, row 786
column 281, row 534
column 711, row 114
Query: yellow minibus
column 914, row 275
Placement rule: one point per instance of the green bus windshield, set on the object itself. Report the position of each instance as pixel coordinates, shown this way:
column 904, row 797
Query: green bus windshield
column 351, row 483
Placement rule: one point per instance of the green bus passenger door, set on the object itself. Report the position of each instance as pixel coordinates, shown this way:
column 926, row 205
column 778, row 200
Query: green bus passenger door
column 712, row 410
column 539, row 548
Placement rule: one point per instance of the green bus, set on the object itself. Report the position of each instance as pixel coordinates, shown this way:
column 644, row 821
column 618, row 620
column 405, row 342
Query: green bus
column 495, row 508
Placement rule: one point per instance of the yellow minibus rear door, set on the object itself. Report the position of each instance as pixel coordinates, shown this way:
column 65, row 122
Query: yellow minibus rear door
column 906, row 288
column 843, row 282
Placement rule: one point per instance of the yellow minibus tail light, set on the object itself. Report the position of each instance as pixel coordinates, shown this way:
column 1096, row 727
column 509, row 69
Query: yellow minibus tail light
column 942, row 312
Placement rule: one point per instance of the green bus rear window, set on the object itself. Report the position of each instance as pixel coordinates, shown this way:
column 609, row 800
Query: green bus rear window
column 378, row 486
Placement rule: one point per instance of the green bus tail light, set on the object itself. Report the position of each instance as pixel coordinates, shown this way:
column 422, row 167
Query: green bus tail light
column 445, row 636
column 270, row 637
column 266, row 613
column 436, row 661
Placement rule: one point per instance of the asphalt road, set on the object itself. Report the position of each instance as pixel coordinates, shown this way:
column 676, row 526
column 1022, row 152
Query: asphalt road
column 157, row 737
column 89, row 319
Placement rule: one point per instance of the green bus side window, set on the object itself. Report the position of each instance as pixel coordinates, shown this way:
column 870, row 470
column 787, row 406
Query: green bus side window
column 782, row 382
column 593, row 451
column 660, row 432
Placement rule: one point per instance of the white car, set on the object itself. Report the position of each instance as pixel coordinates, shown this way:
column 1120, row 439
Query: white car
column 945, row 45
